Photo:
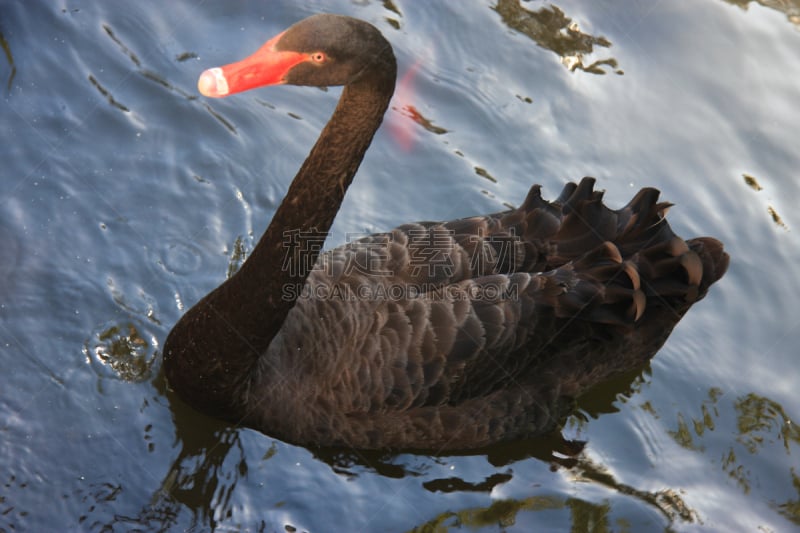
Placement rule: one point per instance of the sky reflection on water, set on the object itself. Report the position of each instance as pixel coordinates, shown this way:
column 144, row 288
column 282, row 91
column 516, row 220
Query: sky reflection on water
column 125, row 197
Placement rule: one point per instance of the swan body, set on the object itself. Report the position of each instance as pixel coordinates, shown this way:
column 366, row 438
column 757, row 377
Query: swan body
column 434, row 335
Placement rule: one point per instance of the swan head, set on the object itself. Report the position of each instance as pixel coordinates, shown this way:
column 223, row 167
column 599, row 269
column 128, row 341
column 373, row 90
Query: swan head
column 322, row 50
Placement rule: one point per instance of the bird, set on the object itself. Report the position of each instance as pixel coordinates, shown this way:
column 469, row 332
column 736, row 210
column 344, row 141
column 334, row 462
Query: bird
column 433, row 335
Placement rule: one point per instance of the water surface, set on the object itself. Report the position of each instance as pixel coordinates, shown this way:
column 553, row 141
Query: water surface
column 125, row 197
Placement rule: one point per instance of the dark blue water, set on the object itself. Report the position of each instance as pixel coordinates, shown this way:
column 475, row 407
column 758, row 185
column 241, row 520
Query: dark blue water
column 125, row 197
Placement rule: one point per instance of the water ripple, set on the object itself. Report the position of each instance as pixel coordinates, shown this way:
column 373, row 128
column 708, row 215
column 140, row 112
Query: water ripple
column 124, row 350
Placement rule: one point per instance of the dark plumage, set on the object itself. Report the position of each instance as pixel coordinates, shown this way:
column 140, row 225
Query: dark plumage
column 438, row 336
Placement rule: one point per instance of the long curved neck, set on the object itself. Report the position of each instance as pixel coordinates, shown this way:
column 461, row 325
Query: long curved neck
column 283, row 258
column 213, row 349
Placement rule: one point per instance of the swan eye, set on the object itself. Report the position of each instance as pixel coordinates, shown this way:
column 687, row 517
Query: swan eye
column 319, row 57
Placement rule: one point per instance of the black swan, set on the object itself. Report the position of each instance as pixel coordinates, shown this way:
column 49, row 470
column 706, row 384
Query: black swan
column 434, row 335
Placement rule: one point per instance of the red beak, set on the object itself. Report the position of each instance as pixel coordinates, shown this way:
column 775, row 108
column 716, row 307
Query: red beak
column 265, row 67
